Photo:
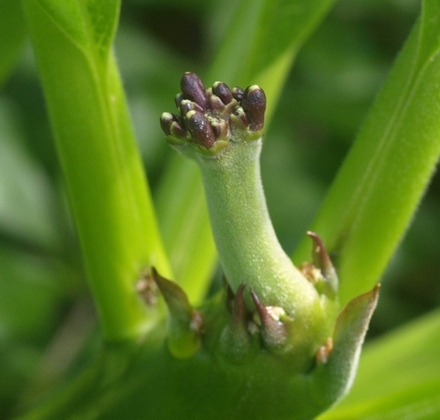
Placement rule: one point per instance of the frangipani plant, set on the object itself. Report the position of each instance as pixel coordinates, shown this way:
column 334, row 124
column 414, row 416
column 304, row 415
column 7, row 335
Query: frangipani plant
column 278, row 341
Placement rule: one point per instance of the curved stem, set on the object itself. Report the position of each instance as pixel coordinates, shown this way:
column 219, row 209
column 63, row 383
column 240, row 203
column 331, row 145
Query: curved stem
column 248, row 248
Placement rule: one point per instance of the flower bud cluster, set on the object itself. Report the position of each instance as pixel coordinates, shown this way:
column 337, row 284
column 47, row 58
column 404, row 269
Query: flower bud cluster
column 212, row 117
column 281, row 333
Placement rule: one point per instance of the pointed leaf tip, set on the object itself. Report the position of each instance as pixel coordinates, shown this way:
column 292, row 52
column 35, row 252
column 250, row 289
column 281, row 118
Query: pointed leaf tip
column 185, row 324
column 333, row 379
column 175, row 298
column 321, row 260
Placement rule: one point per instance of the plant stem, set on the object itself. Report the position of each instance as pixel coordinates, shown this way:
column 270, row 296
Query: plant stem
column 100, row 162
column 221, row 130
column 248, row 248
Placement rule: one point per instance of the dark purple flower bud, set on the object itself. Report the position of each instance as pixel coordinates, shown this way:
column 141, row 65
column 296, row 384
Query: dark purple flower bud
column 177, row 130
column 186, row 105
column 200, row 129
column 178, row 98
column 220, row 128
column 194, row 89
column 166, row 120
column 237, row 93
column 223, row 92
column 215, row 104
column 172, row 125
column 254, row 104
column 239, row 119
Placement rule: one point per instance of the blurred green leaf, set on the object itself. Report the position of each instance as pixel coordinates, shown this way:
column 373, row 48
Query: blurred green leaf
column 261, row 41
column 414, row 403
column 26, row 199
column 378, row 189
column 12, row 35
column 30, row 289
column 33, row 289
column 150, row 87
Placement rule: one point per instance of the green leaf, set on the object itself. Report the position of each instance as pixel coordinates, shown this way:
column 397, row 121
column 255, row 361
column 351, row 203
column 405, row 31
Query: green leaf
column 414, row 403
column 67, row 17
column 243, row 58
column 262, row 40
column 397, row 376
column 109, row 197
column 185, row 227
column 26, row 199
column 87, row 23
column 12, row 36
column 382, row 180
column 334, row 378
column 102, row 18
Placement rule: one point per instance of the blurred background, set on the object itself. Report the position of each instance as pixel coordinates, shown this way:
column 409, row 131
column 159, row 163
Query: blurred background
column 47, row 320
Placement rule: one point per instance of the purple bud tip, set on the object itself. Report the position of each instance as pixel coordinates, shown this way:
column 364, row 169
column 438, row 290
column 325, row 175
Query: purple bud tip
column 254, row 104
column 200, row 129
column 194, row 89
column 237, row 93
column 215, row 114
column 239, row 118
column 264, row 315
column 220, row 129
column 321, row 260
column 216, row 105
column 185, row 106
column 178, row 98
column 172, row 125
column 223, row 92
column 166, row 120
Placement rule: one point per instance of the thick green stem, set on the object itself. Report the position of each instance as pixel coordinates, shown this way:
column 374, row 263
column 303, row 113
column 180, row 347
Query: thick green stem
column 248, row 248
column 102, row 168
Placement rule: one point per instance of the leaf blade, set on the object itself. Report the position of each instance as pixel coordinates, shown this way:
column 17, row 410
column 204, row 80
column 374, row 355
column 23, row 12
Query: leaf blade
column 382, row 180
column 409, row 357
column 12, row 36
